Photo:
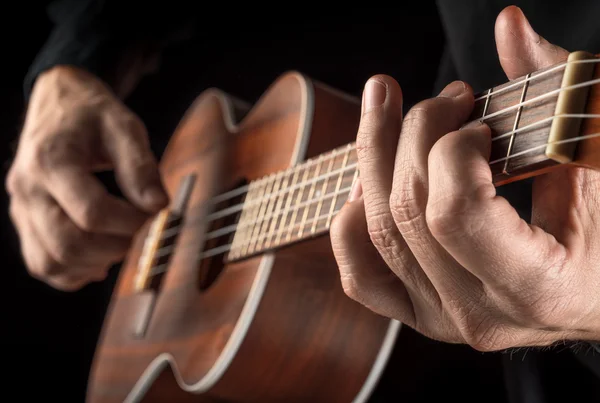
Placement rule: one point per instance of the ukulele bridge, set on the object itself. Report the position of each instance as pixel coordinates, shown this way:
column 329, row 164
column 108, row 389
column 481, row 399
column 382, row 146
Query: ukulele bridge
column 159, row 246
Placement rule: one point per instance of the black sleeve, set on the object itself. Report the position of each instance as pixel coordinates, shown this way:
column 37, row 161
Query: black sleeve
column 98, row 34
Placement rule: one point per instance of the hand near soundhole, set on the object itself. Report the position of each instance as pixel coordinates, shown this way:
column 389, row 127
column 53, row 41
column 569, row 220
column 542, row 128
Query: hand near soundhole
column 71, row 229
column 425, row 239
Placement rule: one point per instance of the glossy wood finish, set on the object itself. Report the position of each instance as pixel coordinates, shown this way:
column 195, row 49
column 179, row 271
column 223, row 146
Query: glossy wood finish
column 307, row 342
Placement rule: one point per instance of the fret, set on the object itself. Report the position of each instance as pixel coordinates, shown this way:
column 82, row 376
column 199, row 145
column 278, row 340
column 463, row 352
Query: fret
column 338, row 185
column 311, row 192
column 487, row 102
column 241, row 233
column 298, row 200
column 322, row 194
column 500, row 117
column 280, row 200
column 266, row 217
column 247, row 228
column 516, row 123
column 261, row 213
column 288, row 203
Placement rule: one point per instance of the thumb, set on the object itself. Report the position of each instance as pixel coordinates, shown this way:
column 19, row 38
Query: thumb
column 136, row 169
column 520, row 49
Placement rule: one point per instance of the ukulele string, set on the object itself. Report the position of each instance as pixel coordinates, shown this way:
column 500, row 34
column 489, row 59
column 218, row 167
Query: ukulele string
column 533, row 77
column 244, row 189
column 276, row 214
column 571, row 140
column 290, row 190
column 225, row 248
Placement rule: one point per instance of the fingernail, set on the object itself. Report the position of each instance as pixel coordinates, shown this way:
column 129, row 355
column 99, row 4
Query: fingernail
column 453, row 90
column 374, row 94
column 155, row 196
column 356, row 191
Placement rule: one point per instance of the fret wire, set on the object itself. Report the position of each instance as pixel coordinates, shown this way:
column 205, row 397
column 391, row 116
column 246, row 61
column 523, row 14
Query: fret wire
column 287, row 206
column 252, row 212
column 310, row 195
column 543, row 96
column 307, row 204
column 280, row 200
column 268, row 209
column 316, row 218
column 537, row 75
column 261, row 212
column 487, row 103
column 298, row 201
column 238, row 235
column 322, row 193
column 516, row 124
column 337, row 186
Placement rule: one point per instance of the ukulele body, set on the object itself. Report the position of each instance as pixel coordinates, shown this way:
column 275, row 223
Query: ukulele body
column 273, row 327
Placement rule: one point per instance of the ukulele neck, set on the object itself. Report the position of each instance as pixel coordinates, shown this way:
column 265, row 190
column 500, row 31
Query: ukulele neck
column 533, row 120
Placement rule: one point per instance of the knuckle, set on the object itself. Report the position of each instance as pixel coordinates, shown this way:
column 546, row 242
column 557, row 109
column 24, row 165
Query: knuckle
column 406, row 201
column 384, row 234
column 66, row 250
column 45, row 267
column 421, row 113
column 128, row 121
column 454, row 214
column 89, row 217
column 480, row 329
column 50, row 153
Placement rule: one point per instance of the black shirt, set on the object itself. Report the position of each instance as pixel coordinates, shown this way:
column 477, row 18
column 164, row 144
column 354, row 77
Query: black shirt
column 244, row 52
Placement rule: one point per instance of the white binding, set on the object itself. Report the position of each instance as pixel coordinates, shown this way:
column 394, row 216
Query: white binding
column 260, row 282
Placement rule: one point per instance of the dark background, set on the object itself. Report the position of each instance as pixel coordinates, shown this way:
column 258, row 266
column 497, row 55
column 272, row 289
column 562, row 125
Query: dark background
column 51, row 336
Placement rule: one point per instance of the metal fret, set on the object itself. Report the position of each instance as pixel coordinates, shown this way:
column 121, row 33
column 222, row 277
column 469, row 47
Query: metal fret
column 298, row 201
column 516, row 124
column 286, row 209
column 261, row 214
column 337, row 186
column 275, row 219
column 310, row 196
column 487, row 103
column 266, row 218
column 322, row 194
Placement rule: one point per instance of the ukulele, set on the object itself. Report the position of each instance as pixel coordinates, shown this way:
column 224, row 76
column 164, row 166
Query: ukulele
column 232, row 293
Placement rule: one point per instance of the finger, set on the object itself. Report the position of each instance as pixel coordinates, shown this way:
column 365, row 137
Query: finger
column 136, row 169
column 482, row 231
column 84, row 199
column 521, row 50
column 68, row 244
column 425, row 124
column 365, row 276
column 375, row 144
column 42, row 266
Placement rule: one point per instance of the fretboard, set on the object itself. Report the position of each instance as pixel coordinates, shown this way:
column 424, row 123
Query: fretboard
column 301, row 202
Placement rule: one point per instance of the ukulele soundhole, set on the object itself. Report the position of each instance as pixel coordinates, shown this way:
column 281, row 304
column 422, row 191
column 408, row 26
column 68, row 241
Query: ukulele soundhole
column 219, row 236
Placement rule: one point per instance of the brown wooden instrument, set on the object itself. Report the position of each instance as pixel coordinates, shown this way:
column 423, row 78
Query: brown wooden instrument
column 232, row 294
